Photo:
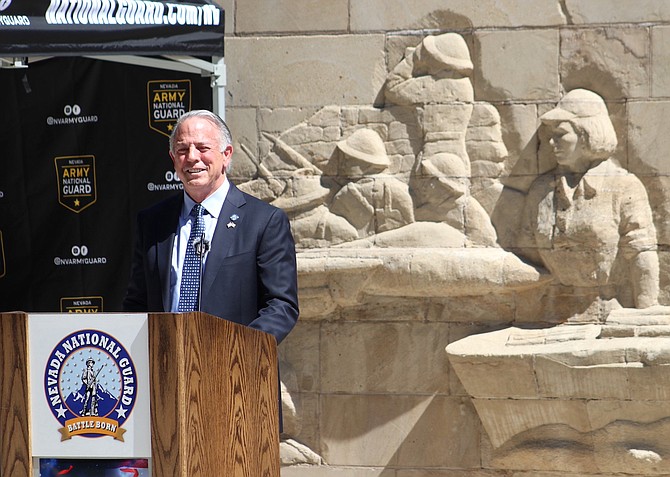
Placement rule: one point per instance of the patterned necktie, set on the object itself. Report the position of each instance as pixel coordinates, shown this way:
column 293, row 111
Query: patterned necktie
column 190, row 272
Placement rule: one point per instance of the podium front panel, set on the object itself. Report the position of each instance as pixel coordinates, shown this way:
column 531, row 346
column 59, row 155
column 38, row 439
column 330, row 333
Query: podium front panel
column 89, row 378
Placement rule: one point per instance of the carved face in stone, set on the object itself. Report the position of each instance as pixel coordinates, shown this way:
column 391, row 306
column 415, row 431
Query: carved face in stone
column 581, row 133
column 566, row 145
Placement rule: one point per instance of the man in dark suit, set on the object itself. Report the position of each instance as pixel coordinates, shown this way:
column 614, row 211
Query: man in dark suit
column 249, row 273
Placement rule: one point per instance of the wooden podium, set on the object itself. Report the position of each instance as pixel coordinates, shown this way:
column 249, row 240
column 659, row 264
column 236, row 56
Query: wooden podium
column 213, row 392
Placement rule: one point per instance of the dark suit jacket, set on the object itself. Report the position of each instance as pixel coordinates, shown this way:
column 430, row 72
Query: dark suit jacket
column 250, row 274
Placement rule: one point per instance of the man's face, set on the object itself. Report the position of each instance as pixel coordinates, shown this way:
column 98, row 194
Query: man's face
column 198, row 159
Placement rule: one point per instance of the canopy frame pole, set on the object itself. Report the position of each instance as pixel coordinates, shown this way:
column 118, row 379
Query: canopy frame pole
column 215, row 70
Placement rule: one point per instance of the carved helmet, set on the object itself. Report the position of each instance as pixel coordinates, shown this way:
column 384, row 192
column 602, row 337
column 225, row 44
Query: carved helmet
column 449, row 49
column 577, row 104
column 366, row 146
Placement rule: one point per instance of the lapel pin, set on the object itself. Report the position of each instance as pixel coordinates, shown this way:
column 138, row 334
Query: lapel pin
column 234, row 217
column 231, row 225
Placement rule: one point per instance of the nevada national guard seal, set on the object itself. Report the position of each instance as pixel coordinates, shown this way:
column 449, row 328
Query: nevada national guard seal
column 90, row 385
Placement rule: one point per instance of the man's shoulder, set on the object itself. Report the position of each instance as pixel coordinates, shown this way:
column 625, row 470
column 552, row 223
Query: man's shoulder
column 168, row 204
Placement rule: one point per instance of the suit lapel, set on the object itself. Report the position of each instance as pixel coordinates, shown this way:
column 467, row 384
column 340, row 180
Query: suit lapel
column 223, row 235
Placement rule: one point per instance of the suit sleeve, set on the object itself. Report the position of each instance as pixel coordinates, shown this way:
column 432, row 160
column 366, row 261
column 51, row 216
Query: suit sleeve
column 277, row 278
column 136, row 293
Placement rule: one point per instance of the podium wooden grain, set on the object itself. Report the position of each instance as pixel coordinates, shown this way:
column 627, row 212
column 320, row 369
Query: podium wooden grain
column 214, row 398
column 15, row 451
column 214, row 406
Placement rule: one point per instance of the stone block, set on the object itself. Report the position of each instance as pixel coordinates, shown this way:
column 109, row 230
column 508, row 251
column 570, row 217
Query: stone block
column 449, row 473
column 386, row 309
column 513, row 377
column 242, row 123
column 446, row 435
column 372, row 15
column 374, row 358
column 658, row 190
column 281, row 120
column 611, row 11
column 649, row 134
column 519, row 124
column 614, row 62
column 660, row 64
column 253, row 16
column 476, row 309
column 299, row 358
column 329, row 471
column 397, row 46
column 664, row 259
column 504, row 419
column 229, row 9
column 517, row 65
column 558, row 380
column 304, row 425
column 305, row 71
column 399, row 431
column 611, row 446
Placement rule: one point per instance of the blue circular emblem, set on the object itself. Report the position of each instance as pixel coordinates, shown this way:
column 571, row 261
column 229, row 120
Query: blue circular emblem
column 90, row 385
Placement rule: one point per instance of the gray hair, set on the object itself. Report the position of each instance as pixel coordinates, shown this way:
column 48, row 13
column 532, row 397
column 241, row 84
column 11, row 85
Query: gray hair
column 225, row 136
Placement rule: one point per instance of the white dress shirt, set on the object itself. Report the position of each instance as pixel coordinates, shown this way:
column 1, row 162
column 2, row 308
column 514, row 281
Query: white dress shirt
column 212, row 205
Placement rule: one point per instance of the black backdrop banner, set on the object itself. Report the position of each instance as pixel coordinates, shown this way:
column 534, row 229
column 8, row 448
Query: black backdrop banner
column 84, row 148
column 137, row 27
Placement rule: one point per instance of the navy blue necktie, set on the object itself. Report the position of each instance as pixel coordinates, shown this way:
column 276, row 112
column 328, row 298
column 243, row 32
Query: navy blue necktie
column 190, row 272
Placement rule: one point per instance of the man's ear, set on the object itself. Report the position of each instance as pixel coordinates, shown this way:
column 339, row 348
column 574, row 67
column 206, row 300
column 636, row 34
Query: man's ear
column 227, row 156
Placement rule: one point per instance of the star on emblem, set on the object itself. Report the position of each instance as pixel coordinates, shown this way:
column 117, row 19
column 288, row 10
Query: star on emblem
column 61, row 411
column 121, row 412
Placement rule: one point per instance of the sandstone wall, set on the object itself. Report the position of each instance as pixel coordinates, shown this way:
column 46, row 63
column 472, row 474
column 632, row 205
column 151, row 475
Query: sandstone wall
column 365, row 369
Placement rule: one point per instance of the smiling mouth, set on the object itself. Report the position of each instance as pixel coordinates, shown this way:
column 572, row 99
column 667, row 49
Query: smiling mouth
column 194, row 171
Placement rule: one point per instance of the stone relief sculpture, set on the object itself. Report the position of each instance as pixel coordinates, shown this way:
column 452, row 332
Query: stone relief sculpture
column 434, row 79
column 370, row 199
column 384, row 202
column 360, row 177
column 303, row 199
column 588, row 221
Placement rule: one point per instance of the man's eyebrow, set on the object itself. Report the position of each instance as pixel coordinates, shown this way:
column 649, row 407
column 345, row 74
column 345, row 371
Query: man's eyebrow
column 197, row 143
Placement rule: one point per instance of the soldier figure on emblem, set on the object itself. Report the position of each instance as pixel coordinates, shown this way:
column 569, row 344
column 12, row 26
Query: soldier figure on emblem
column 90, row 380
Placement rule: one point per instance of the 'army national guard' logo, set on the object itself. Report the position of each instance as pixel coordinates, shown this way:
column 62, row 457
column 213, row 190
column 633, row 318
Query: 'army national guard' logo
column 90, row 384
column 167, row 100
column 76, row 182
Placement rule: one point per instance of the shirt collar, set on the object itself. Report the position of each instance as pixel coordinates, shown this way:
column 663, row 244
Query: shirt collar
column 212, row 204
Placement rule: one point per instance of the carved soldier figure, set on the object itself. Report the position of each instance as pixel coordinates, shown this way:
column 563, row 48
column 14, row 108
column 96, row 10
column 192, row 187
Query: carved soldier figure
column 312, row 224
column 441, row 194
column 589, row 220
column 435, row 79
column 372, row 201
